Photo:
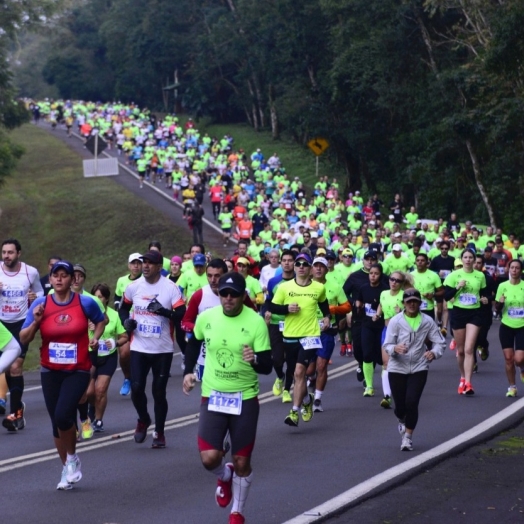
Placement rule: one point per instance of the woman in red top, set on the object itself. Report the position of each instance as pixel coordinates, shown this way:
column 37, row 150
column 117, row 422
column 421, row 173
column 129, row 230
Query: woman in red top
column 62, row 318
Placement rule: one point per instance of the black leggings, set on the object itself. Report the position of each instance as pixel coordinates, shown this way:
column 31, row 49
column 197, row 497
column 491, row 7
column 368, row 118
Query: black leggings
column 62, row 392
column 159, row 364
column 406, row 391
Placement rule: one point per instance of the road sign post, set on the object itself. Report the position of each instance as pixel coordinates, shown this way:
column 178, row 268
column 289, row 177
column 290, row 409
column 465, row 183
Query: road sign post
column 318, row 146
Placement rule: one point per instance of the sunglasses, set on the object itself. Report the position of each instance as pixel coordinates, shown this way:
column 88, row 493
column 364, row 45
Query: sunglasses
column 397, row 280
column 302, row 264
column 347, row 256
column 229, row 293
column 459, row 267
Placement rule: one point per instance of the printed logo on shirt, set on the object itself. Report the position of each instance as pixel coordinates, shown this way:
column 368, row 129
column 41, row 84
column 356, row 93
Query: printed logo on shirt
column 63, row 319
column 225, row 358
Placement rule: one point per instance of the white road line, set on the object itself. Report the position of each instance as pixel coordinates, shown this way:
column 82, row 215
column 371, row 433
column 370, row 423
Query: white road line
column 51, row 454
column 352, row 495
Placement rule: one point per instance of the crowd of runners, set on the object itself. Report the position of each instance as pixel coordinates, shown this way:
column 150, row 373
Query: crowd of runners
column 312, row 270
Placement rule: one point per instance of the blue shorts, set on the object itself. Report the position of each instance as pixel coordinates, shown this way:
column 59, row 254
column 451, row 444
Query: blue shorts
column 328, row 345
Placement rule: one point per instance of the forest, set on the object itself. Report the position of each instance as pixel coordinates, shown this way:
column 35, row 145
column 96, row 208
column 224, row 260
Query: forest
column 419, row 97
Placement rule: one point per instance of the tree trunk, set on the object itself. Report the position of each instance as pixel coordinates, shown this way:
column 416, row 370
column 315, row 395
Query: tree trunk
column 275, row 132
column 260, row 103
column 254, row 111
column 478, row 179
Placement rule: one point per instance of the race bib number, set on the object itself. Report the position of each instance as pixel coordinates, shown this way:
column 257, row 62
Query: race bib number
column 229, row 403
column 467, row 299
column 501, row 270
column 281, row 325
column 370, row 312
column 516, row 312
column 150, row 328
column 103, row 349
column 424, row 305
column 311, row 343
column 61, row 353
column 444, row 273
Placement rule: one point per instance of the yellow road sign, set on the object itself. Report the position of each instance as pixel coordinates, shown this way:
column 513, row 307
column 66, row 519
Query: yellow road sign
column 318, row 145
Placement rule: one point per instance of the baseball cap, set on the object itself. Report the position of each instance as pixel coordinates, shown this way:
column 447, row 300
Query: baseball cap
column 321, row 251
column 153, row 256
column 488, row 248
column 396, row 247
column 234, row 281
column 391, row 217
column 320, row 260
column 243, row 260
column 176, row 259
column 397, row 234
column 371, row 254
column 65, row 265
column 303, row 256
column 347, row 251
column 330, row 254
column 375, row 246
column 458, row 262
column 133, row 256
column 81, row 268
column 200, row 260
column 411, row 294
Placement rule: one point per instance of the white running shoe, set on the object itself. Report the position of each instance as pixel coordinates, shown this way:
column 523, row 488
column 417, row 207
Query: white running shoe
column 64, row 485
column 407, row 444
column 73, row 471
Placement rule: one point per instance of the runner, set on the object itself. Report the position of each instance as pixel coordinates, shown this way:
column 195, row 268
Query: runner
column 193, row 280
column 298, row 300
column 466, row 286
column 134, row 264
column 510, row 303
column 114, row 337
column 157, row 306
column 19, row 287
column 442, row 265
column 62, row 319
column 409, row 360
column 237, row 348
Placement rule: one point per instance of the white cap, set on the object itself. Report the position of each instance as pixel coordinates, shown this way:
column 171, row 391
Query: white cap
column 313, row 234
column 391, row 217
column 438, row 240
column 397, row 234
column 371, row 222
column 357, row 192
column 134, row 256
column 396, row 247
column 320, row 260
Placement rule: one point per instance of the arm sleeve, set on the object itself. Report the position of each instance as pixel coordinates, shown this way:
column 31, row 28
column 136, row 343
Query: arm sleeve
column 324, row 307
column 449, row 292
column 123, row 311
column 264, row 365
column 340, row 309
column 191, row 354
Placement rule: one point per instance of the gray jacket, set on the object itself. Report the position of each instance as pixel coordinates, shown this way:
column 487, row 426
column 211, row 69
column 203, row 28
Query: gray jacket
column 400, row 332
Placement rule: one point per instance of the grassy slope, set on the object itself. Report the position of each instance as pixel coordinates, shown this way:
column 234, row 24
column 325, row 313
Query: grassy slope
column 52, row 209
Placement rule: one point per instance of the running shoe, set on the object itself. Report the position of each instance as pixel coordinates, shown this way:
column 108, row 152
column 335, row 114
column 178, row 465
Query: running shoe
column 401, row 428
column 317, row 406
column 386, row 402
column 444, row 332
column 141, row 431
column 468, row 389
column 286, row 397
column 159, row 440
column 483, row 353
column 87, row 429
column 3, row 406
column 307, row 409
column 73, row 471
column 343, row 349
column 407, row 444
column 224, row 492
column 512, row 391
column 452, row 345
column 236, row 518
column 360, row 375
column 15, row 421
column 278, row 387
column 462, row 386
column 369, row 392
column 126, row 388
column 292, row 418
column 64, row 485
column 349, row 350
column 98, row 426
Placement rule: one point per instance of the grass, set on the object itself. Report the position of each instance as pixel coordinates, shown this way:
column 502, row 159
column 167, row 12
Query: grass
column 52, row 209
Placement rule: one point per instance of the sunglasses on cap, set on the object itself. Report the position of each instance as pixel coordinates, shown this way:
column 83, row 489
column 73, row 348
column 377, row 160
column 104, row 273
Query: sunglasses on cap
column 347, row 256
column 397, row 280
column 302, row 264
column 229, row 293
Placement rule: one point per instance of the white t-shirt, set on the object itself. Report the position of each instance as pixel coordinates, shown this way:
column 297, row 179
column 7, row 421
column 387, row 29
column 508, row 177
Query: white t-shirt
column 15, row 287
column 153, row 334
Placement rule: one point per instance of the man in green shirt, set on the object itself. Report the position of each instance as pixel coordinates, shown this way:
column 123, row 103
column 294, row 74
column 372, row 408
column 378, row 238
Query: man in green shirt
column 193, row 280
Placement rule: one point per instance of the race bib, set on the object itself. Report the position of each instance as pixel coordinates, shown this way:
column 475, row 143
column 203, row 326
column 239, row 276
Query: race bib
column 468, row 299
column 370, row 312
column 281, row 325
column 445, row 273
column 501, row 270
column 424, row 305
column 61, row 353
column 103, row 348
column 229, row 403
column 516, row 312
column 311, row 343
column 150, row 327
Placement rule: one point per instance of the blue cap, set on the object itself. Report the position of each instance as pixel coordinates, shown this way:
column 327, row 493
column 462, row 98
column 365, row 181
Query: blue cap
column 199, row 260
column 65, row 265
column 304, row 256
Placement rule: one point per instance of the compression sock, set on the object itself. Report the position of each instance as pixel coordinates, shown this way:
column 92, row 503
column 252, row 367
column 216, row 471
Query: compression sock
column 368, row 369
column 16, row 388
column 386, row 389
column 241, row 487
column 223, row 472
